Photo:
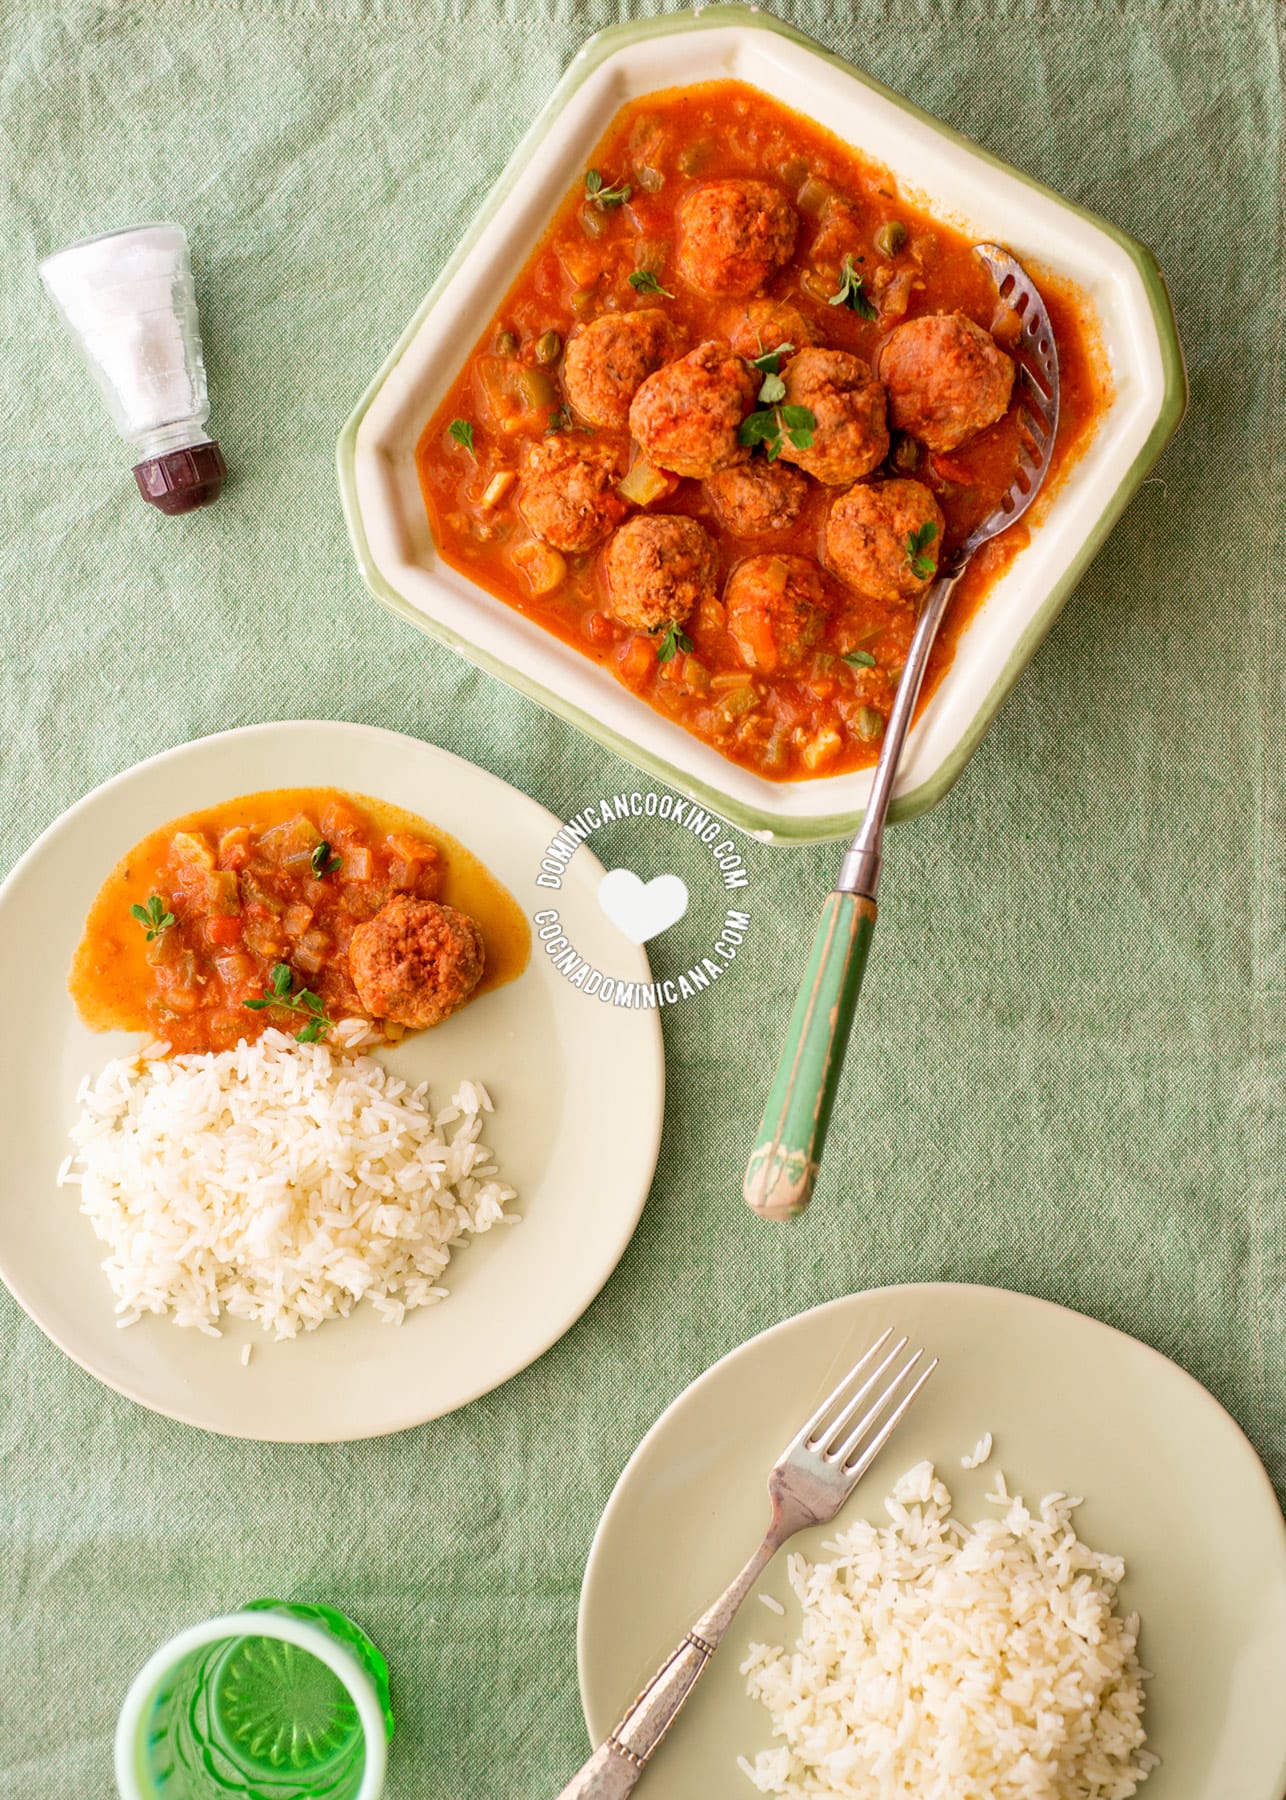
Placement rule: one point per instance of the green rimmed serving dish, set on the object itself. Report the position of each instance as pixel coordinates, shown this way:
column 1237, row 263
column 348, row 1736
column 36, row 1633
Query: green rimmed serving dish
column 960, row 183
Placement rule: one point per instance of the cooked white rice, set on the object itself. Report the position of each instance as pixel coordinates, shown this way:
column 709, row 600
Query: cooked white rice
column 279, row 1183
column 979, row 1454
column 940, row 1661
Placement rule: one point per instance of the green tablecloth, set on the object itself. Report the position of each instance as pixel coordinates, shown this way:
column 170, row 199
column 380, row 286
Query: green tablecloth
column 1072, row 1045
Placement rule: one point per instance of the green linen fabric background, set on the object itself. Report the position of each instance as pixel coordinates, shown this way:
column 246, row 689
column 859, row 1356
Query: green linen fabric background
column 1070, row 1056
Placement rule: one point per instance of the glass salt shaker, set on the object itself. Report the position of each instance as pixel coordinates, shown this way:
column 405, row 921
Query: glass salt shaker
column 128, row 299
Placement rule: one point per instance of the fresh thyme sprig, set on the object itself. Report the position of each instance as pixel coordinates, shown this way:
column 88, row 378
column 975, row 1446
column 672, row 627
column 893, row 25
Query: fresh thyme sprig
column 852, row 292
column 603, row 197
column 673, row 640
column 153, row 917
column 324, row 860
column 773, row 425
column 309, row 1005
column 917, row 544
column 643, row 281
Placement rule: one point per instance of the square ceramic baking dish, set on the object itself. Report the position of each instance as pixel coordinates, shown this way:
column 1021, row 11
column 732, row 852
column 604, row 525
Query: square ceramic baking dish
column 934, row 165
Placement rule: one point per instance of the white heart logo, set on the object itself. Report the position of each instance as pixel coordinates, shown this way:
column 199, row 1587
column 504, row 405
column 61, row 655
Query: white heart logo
column 642, row 911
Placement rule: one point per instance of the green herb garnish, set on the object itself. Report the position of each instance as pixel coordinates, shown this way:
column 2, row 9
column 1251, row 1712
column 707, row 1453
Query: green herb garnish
column 674, row 640
column 324, row 861
column 773, row 425
column 917, row 543
column 604, row 198
column 462, row 432
column 859, row 659
column 153, row 917
column 852, row 292
column 279, row 993
column 768, row 363
column 643, row 281
column 562, row 420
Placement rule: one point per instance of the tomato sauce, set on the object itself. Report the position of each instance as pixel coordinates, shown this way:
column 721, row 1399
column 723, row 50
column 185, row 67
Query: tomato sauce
column 281, row 878
column 827, row 715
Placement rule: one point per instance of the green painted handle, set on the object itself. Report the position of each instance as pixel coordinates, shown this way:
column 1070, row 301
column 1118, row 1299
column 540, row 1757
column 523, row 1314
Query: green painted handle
column 783, row 1166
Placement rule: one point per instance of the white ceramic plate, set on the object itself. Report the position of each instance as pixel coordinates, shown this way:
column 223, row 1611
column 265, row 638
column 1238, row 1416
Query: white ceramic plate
column 959, row 182
column 1169, row 1482
column 577, row 1085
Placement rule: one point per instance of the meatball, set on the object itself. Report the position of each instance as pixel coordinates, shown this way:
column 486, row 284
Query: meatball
column 868, row 538
column 609, row 359
column 734, row 236
column 416, row 962
column 685, row 417
column 762, row 325
column 946, row 379
column 851, row 434
column 777, row 608
column 568, row 494
column 659, row 567
column 757, row 498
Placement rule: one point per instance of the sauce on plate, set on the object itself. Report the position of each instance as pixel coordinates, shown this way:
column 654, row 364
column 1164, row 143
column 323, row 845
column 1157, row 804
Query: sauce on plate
column 271, row 879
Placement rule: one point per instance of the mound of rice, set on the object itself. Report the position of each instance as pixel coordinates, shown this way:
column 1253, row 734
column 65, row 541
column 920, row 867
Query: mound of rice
column 278, row 1182
column 940, row 1661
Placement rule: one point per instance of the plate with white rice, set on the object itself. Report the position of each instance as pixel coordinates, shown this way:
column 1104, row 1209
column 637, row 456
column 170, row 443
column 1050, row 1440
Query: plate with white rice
column 309, row 1242
column 1063, row 1579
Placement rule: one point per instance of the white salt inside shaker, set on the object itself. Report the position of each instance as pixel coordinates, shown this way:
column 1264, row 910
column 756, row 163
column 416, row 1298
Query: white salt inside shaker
column 128, row 300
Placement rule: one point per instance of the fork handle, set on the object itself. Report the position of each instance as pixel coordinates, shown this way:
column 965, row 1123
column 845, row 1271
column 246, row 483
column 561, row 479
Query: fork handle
column 618, row 1763
column 783, row 1165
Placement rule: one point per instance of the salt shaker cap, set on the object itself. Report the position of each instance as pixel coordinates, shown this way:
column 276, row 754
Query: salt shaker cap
column 182, row 480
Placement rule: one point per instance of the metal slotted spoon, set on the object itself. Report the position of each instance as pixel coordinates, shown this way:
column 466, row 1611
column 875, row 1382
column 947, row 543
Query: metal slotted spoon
column 783, row 1165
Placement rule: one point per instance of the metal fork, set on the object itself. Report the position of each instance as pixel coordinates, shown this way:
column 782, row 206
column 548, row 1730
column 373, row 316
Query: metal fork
column 811, row 1480
column 783, row 1164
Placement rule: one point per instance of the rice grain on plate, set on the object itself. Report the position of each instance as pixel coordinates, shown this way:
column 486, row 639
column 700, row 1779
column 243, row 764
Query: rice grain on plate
column 278, row 1182
column 939, row 1661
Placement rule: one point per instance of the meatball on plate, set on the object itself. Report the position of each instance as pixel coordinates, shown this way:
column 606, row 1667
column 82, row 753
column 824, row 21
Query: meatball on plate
column 946, row 379
column 850, row 433
column 776, row 607
column 610, row 358
column 567, row 492
column 700, row 285
column 884, row 539
column 756, row 499
column 658, row 570
column 734, row 236
column 416, row 962
column 687, row 416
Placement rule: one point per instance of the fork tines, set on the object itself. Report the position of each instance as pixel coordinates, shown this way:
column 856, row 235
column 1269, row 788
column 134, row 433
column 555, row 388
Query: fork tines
column 831, row 1435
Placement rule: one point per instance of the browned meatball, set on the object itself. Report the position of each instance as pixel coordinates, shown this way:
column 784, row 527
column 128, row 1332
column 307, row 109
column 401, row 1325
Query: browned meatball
column 762, row 325
column 946, row 379
column 659, row 567
column 777, row 608
column 734, row 236
column 851, row 435
column 685, row 417
column 755, row 499
column 868, row 538
column 568, row 494
column 608, row 360
column 416, row 961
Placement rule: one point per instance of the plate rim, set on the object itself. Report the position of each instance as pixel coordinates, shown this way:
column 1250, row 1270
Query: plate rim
column 754, row 818
column 66, row 820
column 594, row 1561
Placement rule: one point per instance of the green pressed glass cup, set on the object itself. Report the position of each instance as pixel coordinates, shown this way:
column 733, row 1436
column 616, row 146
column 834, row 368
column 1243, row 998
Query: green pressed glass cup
column 276, row 1702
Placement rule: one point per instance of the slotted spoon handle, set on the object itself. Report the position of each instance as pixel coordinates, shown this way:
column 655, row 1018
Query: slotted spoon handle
column 783, row 1164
